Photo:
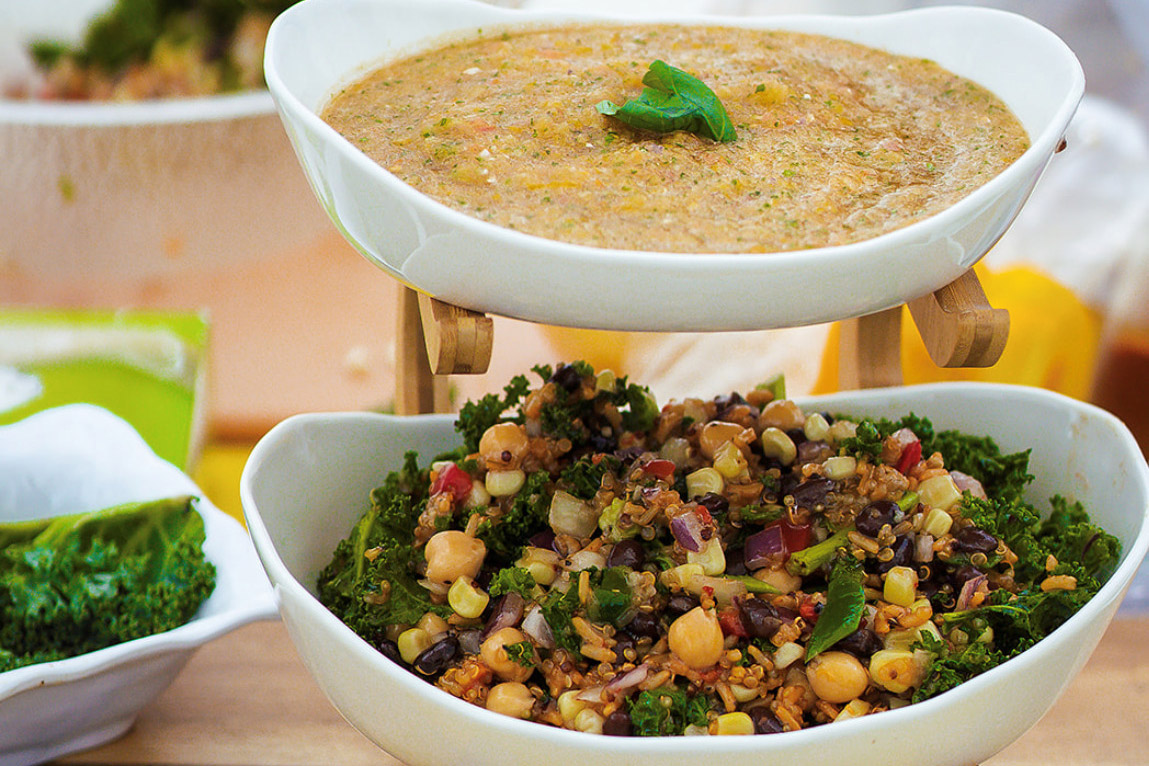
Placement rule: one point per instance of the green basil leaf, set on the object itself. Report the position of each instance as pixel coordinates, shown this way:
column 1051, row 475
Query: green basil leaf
column 845, row 602
column 674, row 100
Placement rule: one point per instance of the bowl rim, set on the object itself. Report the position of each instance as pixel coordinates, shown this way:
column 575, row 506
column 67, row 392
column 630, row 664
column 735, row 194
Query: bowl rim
column 161, row 111
column 291, row 589
column 1032, row 160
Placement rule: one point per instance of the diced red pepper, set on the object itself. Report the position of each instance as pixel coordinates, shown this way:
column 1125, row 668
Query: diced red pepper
column 911, row 454
column 796, row 537
column 452, row 479
column 703, row 515
column 731, row 623
column 809, row 611
column 659, row 468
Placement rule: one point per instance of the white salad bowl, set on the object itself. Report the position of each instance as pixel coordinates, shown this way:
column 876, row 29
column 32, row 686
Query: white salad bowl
column 319, row 46
column 308, row 481
column 82, row 458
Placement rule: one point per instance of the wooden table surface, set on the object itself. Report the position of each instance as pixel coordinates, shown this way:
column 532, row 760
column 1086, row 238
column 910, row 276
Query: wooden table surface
column 247, row 700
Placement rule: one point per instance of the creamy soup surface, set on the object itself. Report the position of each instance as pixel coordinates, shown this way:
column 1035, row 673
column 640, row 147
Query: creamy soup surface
column 836, row 142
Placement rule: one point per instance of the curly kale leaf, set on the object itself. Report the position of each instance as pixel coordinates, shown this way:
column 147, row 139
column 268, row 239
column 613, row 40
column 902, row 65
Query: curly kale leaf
column 73, row 584
column 666, row 711
column 951, row 668
column 1001, row 475
column 583, row 477
column 558, row 610
column 506, row 535
column 1071, row 537
column 371, row 580
column 513, row 580
column 477, row 416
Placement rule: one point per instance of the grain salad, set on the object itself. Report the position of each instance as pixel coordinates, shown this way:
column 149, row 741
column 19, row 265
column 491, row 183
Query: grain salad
column 589, row 560
column 836, row 142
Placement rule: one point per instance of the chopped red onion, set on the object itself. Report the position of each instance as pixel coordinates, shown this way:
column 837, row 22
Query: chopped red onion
column 964, row 482
column 762, row 548
column 506, row 613
column 687, row 530
column 624, row 683
column 967, row 592
column 536, row 627
column 592, row 694
column 924, row 548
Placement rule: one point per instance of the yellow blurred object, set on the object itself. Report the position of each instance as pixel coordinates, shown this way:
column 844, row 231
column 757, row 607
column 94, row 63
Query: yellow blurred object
column 217, row 473
column 602, row 349
column 1053, row 339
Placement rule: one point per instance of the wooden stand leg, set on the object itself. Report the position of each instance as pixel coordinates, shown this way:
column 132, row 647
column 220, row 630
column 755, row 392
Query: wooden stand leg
column 417, row 389
column 959, row 327
column 870, row 351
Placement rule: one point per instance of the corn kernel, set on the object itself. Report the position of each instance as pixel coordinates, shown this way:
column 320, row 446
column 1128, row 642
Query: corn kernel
column 479, row 496
column 467, row 599
column 710, row 558
column 901, row 586
column 503, row 483
column 542, row 563
column 729, row 461
column 787, row 654
column 734, row 724
column 704, row 480
column 775, row 443
column 937, row 523
column 854, row 709
column 681, row 575
column 742, row 693
column 939, row 492
column 570, row 705
column 433, row 624
column 895, row 670
column 588, row 721
column 839, row 467
column 841, row 430
column 816, row 428
column 605, row 382
column 412, row 642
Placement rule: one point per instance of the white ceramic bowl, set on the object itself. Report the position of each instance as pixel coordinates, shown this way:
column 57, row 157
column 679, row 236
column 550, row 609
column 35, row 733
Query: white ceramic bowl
column 308, row 480
column 78, row 458
column 320, row 45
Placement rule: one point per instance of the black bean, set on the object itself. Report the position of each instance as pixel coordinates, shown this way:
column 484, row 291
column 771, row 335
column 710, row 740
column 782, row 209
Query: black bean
column 903, row 553
column 962, row 574
column 812, row 491
column 544, row 539
column 626, row 553
column 390, row 650
column 714, row 503
column 760, row 619
column 974, row 540
column 617, row 724
column 764, row 721
column 680, row 603
column 736, row 561
column 602, row 443
column 436, row 657
column 623, row 641
column 797, row 435
column 567, row 377
column 862, row 643
column 644, row 625
column 874, row 516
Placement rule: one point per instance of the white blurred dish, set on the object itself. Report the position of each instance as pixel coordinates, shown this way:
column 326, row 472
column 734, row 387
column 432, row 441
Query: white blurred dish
column 140, row 189
column 309, row 480
column 318, row 46
column 80, row 458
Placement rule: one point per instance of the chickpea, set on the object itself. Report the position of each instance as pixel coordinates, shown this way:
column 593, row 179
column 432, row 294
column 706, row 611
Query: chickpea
column 503, row 446
column 452, row 554
column 837, row 677
column 896, row 670
column 511, row 698
column 717, row 432
column 782, row 414
column 696, row 637
column 494, row 654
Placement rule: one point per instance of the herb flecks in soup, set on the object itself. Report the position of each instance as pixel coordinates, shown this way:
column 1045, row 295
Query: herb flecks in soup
column 836, row 142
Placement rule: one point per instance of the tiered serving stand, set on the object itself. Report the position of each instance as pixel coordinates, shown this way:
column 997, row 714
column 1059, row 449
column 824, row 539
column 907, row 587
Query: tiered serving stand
column 958, row 325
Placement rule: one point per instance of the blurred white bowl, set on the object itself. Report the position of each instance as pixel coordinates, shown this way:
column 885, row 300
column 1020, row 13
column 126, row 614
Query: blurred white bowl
column 80, row 458
column 308, row 481
column 318, row 46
